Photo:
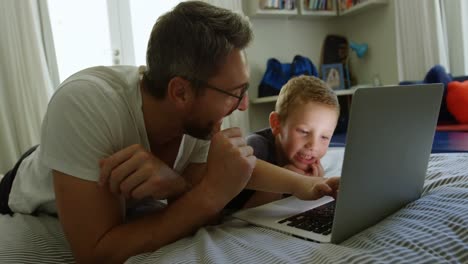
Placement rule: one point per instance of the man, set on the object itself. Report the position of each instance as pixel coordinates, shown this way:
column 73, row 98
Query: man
column 140, row 135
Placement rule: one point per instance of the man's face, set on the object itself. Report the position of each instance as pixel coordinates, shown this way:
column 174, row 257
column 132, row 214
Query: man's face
column 305, row 135
column 213, row 105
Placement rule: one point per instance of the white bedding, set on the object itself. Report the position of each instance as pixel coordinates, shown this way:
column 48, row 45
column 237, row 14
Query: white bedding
column 433, row 229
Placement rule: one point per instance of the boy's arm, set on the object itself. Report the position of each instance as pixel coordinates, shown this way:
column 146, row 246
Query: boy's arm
column 316, row 169
column 271, row 178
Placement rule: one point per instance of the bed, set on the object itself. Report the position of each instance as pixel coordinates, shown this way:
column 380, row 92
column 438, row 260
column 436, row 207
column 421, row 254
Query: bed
column 433, row 229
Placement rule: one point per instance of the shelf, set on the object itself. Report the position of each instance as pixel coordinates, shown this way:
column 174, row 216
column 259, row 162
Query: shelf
column 271, row 99
column 362, row 7
column 267, row 99
column 314, row 13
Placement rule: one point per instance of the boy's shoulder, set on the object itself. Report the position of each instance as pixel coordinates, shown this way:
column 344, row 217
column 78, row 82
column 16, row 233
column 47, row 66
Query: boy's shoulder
column 264, row 134
column 263, row 143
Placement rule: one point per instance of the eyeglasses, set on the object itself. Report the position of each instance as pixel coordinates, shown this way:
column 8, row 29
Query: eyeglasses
column 239, row 97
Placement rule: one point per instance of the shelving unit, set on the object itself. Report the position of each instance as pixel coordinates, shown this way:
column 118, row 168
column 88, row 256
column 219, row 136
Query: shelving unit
column 252, row 9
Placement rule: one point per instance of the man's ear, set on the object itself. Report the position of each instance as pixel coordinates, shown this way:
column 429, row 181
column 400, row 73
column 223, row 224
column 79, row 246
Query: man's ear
column 275, row 123
column 179, row 91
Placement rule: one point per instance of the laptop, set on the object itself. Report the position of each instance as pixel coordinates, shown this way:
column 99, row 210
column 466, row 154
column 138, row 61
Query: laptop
column 388, row 144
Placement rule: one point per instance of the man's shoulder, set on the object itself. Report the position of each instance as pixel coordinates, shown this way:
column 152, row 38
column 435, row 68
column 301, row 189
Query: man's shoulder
column 100, row 84
column 117, row 78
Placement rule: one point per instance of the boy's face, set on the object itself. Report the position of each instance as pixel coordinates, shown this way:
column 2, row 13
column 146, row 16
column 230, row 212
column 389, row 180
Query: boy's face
column 304, row 137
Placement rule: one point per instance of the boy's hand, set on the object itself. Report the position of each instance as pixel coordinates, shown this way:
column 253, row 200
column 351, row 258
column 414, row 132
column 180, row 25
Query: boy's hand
column 316, row 169
column 137, row 173
column 312, row 188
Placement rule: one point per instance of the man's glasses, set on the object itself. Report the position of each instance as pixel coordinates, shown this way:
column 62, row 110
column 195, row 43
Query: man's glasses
column 239, row 97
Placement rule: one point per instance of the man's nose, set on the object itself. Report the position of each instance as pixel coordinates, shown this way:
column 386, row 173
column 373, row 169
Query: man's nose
column 244, row 104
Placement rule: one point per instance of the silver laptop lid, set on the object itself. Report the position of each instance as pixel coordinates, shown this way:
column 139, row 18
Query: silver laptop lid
column 389, row 140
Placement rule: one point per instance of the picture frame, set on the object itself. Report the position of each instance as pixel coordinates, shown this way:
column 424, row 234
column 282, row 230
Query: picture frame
column 333, row 76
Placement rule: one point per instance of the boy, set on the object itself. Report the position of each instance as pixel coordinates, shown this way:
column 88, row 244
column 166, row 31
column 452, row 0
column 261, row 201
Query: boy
column 301, row 127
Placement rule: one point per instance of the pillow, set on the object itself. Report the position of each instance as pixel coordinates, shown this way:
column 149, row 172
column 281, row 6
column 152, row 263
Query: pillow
column 437, row 74
column 457, row 100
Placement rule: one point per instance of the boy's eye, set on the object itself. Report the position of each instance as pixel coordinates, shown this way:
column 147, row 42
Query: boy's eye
column 303, row 131
column 325, row 137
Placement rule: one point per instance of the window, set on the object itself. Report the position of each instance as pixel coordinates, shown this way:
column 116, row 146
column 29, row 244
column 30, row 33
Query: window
column 88, row 33
column 81, row 34
column 144, row 14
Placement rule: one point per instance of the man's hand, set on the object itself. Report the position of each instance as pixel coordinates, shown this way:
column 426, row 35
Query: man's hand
column 312, row 188
column 229, row 166
column 137, row 173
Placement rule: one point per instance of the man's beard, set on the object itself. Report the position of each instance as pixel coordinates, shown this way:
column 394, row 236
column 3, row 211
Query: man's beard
column 204, row 132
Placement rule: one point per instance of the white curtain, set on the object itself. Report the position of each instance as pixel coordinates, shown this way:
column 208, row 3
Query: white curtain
column 25, row 85
column 457, row 37
column 237, row 118
column 421, row 37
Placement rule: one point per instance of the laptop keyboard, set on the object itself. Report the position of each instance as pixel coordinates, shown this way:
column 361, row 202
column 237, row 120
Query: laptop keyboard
column 318, row 220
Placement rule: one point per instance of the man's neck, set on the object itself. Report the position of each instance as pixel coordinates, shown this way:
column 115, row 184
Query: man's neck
column 161, row 120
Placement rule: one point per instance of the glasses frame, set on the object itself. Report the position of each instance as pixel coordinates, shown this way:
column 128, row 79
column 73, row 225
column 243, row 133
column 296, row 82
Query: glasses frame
column 239, row 97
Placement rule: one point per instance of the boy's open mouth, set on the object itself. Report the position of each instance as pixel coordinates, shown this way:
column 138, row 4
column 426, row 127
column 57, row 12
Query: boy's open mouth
column 306, row 158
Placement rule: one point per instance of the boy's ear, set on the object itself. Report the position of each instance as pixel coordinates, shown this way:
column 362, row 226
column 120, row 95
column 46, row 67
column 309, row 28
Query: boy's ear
column 179, row 92
column 275, row 123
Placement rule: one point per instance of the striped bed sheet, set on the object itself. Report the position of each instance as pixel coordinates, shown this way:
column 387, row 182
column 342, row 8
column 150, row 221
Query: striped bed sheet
column 433, row 229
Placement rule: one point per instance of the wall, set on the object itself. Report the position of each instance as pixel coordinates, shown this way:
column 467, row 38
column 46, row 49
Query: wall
column 377, row 28
column 283, row 38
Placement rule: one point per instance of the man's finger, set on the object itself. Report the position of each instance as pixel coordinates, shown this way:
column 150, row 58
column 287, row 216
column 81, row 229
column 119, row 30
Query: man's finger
column 132, row 182
column 238, row 141
column 246, row 151
column 121, row 172
column 232, row 132
column 113, row 161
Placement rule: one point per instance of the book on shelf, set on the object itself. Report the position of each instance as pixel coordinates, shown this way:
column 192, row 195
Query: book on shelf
column 277, row 4
column 319, row 5
column 347, row 4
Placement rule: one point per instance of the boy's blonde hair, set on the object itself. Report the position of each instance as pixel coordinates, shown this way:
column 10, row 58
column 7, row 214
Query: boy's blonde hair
column 301, row 90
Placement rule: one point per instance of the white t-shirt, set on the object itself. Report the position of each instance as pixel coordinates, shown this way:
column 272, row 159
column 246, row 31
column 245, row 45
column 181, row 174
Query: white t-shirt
column 93, row 114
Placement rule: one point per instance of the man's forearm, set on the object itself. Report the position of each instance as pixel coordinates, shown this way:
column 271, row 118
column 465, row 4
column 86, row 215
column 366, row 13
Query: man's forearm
column 181, row 218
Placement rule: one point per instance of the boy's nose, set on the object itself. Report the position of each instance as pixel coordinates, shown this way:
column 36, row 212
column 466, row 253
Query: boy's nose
column 311, row 143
